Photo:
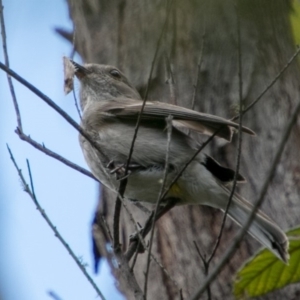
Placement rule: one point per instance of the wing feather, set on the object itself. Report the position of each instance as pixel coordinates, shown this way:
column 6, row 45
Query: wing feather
column 182, row 117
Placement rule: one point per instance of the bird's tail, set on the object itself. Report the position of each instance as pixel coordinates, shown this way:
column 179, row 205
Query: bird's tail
column 262, row 228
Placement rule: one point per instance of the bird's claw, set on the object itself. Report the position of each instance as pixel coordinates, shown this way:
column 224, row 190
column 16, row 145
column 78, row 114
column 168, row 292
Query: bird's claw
column 118, row 170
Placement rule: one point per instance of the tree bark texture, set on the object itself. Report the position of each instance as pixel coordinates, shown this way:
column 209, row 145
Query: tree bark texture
column 125, row 34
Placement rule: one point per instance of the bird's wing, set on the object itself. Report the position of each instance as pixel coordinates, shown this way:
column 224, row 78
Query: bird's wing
column 182, row 117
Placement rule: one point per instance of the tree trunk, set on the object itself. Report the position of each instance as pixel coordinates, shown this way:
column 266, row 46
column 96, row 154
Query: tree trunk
column 125, row 34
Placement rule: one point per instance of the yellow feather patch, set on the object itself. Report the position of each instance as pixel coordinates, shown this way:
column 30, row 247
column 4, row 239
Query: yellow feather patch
column 175, row 190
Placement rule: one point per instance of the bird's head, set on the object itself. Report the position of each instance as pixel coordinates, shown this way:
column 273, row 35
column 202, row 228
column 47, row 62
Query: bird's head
column 102, row 83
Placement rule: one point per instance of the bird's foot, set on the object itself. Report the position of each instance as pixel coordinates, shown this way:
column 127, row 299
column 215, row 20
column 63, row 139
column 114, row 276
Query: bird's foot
column 120, row 169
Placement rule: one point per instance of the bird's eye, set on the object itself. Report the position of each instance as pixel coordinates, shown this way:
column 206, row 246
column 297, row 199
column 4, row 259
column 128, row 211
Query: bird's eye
column 115, row 73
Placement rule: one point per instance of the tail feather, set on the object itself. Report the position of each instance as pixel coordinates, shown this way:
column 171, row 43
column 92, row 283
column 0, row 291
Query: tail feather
column 262, row 228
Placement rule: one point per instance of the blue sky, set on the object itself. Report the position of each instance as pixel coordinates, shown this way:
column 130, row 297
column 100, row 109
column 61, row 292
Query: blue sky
column 32, row 260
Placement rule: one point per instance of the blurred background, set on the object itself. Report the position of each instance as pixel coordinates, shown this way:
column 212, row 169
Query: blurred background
column 32, row 260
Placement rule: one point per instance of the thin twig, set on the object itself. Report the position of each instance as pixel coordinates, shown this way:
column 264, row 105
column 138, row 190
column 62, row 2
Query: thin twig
column 142, row 207
column 142, row 241
column 234, row 118
column 30, row 192
column 123, row 182
column 239, row 148
column 117, row 213
column 231, row 250
column 76, row 104
column 199, row 64
column 54, row 295
column 54, row 106
column 180, row 294
column 104, row 222
column 148, row 84
column 6, row 59
column 266, row 89
column 189, row 161
column 135, row 255
column 206, row 268
column 129, row 277
column 73, row 41
column 131, row 251
column 159, row 198
column 56, row 156
column 134, row 247
column 148, row 224
column 170, row 80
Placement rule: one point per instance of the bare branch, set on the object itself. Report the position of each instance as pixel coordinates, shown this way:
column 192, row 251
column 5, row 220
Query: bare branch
column 82, row 132
column 73, row 41
column 10, row 84
column 200, row 60
column 159, row 199
column 280, row 73
column 55, row 107
column 76, row 104
column 142, row 241
column 123, row 182
column 148, row 84
column 231, row 250
column 142, row 208
column 206, row 268
column 54, row 295
column 239, row 149
column 31, row 193
column 135, row 255
column 106, row 227
column 234, row 118
column 170, row 79
column 147, row 227
column 117, row 212
column 189, row 161
column 128, row 276
column 51, row 104
column 50, row 153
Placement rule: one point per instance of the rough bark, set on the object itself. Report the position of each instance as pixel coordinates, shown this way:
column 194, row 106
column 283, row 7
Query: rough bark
column 125, row 34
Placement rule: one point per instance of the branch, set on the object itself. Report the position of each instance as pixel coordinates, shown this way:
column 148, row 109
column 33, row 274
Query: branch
column 200, row 60
column 10, row 84
column 123, row 182
column 159, row 199
column 147, row 227
column 30, row 192
column 50, row 153
column 89, row 139
column 206, row 268
column 76, row 105
column 234, row 118
column 239, row 149
column 280, row 73
column 53, row 295
column 53, row 105
column 170, row 79
column 142, row 241
column 229, row 253
column 148, row 84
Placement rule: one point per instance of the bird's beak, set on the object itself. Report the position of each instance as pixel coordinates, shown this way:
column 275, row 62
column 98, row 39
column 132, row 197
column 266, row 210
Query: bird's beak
column 80, row 71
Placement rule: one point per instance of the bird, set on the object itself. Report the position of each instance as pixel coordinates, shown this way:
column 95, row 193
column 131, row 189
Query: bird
column 111, row 106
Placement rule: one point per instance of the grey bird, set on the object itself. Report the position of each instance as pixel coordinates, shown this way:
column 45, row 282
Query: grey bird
column 111, row 105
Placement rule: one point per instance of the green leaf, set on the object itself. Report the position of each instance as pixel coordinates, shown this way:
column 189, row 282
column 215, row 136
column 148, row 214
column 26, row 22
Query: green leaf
column 265, row 272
